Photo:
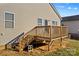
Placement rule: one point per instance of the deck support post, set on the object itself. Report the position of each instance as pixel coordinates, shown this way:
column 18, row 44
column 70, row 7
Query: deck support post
column 6, row 46
column 48, row 47
column 20, row 49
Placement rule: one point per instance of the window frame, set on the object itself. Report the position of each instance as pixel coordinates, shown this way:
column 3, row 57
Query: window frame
column 9, row 20
column 40, row 24
column 54, row 23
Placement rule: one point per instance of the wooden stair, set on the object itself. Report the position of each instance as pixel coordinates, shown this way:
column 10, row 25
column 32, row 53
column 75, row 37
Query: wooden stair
column 25, row 42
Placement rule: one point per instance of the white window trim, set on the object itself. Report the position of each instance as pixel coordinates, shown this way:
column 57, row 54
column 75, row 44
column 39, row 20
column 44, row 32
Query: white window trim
column 37, row 21
column 4, row 19
column 56, row 23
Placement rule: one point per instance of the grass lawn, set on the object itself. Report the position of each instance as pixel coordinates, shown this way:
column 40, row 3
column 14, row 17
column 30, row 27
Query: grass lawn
column 72, row 49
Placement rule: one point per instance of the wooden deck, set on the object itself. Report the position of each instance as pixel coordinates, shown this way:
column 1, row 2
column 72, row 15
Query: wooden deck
column 44, row 33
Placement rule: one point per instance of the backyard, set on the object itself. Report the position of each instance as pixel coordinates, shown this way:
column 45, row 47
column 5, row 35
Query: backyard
column 72, row 49
column 69, row 48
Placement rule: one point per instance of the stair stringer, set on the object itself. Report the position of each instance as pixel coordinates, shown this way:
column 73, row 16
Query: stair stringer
column 25, row 42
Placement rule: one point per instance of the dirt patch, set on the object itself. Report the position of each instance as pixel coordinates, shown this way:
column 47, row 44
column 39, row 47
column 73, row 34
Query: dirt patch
column 2, row 47
column 40, row 51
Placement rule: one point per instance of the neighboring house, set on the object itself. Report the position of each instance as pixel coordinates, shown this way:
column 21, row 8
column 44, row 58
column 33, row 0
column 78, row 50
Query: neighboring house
column 73, row 24
column 18, row 18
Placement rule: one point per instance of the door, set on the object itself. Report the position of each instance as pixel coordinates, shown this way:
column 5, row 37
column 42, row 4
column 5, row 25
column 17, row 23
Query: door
column 46, row 22
column 46, row 26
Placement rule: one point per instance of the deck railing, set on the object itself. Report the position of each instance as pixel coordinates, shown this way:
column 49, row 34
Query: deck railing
column 48, row 31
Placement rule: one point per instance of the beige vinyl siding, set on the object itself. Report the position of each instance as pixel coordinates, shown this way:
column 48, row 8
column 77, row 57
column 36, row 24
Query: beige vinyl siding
column 26, row 16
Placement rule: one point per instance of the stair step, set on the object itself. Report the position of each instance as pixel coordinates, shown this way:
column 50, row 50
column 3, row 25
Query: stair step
column 27, row 40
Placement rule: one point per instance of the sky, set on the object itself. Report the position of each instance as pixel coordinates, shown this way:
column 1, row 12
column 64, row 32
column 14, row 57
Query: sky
column 67, row 9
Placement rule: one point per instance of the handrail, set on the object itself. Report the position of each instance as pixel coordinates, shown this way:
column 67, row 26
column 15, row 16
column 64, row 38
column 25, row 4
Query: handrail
column 29, row 31
column 15, row 39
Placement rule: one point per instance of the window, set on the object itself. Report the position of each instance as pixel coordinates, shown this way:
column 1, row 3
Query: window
column 54, row 23
column 39, row 22
column 9, row 20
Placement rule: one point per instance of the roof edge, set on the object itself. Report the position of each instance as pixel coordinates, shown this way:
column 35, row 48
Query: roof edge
column 53, row 7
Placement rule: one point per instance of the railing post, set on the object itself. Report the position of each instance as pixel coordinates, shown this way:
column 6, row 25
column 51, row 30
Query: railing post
column 50, row 28
column 50, row 33
column 61, row 35
column 36, row 31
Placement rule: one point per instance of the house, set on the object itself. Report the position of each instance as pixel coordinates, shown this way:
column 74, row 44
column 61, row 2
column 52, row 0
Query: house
column 73, row 24
column 19, row 19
